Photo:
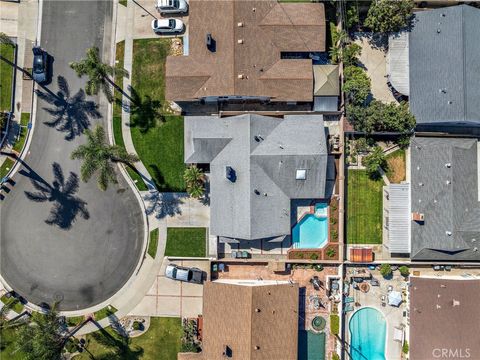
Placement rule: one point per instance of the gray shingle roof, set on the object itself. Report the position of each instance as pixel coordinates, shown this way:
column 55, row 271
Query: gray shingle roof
column 445, row 189
column 265, row 153
column 444, row 65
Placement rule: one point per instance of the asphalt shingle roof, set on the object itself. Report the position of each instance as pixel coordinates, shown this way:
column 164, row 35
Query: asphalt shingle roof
column 445, row 189
column 444, row 62
column 265, row 153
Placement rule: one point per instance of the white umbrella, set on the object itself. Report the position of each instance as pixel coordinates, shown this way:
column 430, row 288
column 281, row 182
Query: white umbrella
column 394, row 298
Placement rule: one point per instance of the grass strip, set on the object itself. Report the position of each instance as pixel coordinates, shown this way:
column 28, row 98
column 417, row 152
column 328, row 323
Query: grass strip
column 24, row 120
column 17, row 305
column 105, row 312
column 6, row 166
column 6, row 76
column 186, row 242
column 153, row 243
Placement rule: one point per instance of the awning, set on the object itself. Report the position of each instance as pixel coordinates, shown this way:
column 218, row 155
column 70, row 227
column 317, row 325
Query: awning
column 394, row 298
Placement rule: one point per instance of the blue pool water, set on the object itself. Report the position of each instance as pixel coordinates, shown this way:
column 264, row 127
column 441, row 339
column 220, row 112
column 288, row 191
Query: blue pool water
column 312, row 230
column 368, row 330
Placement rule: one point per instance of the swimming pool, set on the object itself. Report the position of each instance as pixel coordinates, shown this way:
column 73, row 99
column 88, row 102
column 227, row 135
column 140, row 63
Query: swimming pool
column 312, row 230
column 368, row 330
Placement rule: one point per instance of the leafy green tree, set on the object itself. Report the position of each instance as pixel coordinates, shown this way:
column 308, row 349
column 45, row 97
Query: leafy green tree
column 41, row 338
column 195, row 181
column 357, row 85
column 98, row 157
column 389, row 16
column 378, row 116
column 386, row 270
column 98, row 73
column 350, row 54
column 404, row 271
column 352, row 15
column 376, row 159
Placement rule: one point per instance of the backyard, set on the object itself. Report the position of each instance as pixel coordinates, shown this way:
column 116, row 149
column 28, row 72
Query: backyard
column 396, row 166
column 186, row 242
column 157, row 134
column 364, row 209
column 7, row 51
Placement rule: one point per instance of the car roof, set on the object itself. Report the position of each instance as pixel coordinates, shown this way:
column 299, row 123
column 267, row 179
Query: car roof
column 163, row 22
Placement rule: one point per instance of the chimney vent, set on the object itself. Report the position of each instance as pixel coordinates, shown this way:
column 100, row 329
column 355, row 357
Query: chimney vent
column 240, row 41
column 448, row 165
column 418, row 217
column 240, row 76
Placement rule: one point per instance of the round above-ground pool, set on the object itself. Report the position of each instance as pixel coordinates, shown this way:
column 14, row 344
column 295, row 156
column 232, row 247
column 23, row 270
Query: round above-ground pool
column 368, row 330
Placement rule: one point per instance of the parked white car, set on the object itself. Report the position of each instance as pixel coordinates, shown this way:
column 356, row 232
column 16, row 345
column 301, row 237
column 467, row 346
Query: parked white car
column 180, row 273
column 166, row 7
column 167, row 26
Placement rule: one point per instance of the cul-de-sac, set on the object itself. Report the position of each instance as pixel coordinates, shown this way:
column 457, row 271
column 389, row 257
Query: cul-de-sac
column 239, row 179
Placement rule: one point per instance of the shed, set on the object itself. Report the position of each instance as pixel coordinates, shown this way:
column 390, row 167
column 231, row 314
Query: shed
column 361, row 254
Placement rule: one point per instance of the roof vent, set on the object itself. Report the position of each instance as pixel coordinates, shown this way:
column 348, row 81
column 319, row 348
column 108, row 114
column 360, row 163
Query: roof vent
column 448, row 182
column 420, row 184
column 257, row 347
column 240, row 76
column 257, row 310
column 210, row 42
column 443, row 15
column 443, row 91
column 475, row 249
column 240, row 24
column 254, row 9
column 455, row 302
column 280, row 146
column 240, row 41
column 230, row 174
column 448, row 165
column 439, row 31
column 256, row 192
column 301, row 174
column 449, row 233
column 227, row 351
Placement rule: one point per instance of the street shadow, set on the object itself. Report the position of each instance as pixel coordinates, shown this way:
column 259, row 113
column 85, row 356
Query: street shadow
column 71, row 114
column 144, row 111
column 61, row 193
column 162, row 205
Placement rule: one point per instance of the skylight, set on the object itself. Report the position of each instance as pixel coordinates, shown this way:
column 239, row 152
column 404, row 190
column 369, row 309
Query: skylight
column 301, row 174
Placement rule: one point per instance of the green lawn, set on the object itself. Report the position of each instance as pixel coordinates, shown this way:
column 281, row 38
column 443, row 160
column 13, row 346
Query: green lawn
column 161, row 341
column 18, row 146
column 364, row 211
column 74, row 320
column 186, row 242
column 105, row 312
column 153, row 243
column 8, row 349
column 6, row 72
column 160, row 147
column 119, row 58
column 6, row 166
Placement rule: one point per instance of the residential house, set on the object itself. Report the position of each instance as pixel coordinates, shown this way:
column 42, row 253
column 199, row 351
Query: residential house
column 252, row 51
column 436, row 64
column 258, row 165
column 249, row 320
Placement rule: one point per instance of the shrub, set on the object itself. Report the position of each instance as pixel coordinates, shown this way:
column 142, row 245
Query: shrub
column 137, row 326
column 361, row 145
column 318, row 267
column 405, row 347
column 335, row 356
column 334, row 234
column 330, row 252
column 376, row 159
column 404, row 270
column 389, row 16
column 314, row 256
column 350, row 54
column 333, row 220
column 357, row 84
column 352, row 15
column 334, row 324
column 386, row 270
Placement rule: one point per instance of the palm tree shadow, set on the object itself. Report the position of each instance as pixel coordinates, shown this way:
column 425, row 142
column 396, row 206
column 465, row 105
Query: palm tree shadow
column 162, row 205
column 66, row 207
column 145, row 112
column 120, row 346
column 71, row 114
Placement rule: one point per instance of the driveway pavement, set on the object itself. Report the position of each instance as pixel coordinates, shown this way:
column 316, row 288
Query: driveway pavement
column 62, row 240
column 173, row 298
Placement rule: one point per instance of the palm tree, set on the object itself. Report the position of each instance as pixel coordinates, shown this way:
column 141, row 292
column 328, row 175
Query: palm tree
column 42, row 338
column 195, row 181
column 98, row 157
column 70, row 113
column 98, row 73
column 66, row 206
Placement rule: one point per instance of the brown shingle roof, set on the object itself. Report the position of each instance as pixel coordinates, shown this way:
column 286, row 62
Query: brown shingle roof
column 444, row 314
column 231, row 319
column 252, row 49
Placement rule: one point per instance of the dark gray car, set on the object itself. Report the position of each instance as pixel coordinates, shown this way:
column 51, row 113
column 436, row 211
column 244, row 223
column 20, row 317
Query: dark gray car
column 40, row 65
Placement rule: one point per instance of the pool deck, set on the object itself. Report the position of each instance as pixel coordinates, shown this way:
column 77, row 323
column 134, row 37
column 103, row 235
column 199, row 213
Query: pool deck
column 393, row 315
column 307, row 311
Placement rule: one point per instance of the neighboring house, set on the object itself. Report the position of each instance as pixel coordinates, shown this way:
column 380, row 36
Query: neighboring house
column 247, row 320
column 258, row 165
column 444, row 316
column 441, row 55
column 445, row 199
column 248, row 51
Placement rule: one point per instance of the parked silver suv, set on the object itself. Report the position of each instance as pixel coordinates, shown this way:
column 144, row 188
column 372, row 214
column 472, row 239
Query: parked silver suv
column 165, row 7
column 180, row 273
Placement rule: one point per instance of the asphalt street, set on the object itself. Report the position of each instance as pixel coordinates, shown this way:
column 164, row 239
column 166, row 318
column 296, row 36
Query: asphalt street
column 58, row 242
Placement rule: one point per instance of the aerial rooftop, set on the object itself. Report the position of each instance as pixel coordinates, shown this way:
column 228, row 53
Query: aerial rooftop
column 258, row 164
column 244, row 55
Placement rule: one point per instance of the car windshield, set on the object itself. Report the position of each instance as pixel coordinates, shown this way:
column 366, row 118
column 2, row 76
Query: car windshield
column 174, row 273
column 190, row 275
column 38, row 64
column 171, row 23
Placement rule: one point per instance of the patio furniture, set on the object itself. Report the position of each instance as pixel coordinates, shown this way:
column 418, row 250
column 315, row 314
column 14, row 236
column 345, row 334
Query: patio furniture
column 318, row 323
column 348, row 308
column 349, row 299
column 214, row 267
column 316, row 283
column 235, row 254
column 390, row 288
column 448, row 267
column 244, row 255
column 395, row 298
column 374, row 282
column 221, row 267
column 364, row 287
column 346, row 289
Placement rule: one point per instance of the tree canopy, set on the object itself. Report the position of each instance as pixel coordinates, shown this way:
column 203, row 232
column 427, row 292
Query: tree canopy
column 376, row 159
column 357, row 84
column 389, row 16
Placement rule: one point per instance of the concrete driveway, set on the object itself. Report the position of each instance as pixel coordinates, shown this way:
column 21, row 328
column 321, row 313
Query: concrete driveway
column 174, row 298
column 61, row 239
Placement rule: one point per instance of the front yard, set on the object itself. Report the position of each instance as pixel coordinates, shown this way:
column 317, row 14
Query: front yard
column 364, row 209
column 6, row 72
column 186, row 242
column 157, row 134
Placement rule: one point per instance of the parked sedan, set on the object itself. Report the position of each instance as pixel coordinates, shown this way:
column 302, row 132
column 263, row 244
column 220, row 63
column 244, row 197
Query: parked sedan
column 180, row 273
column 166, row 7
column 167, row 26
column 40, row 65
